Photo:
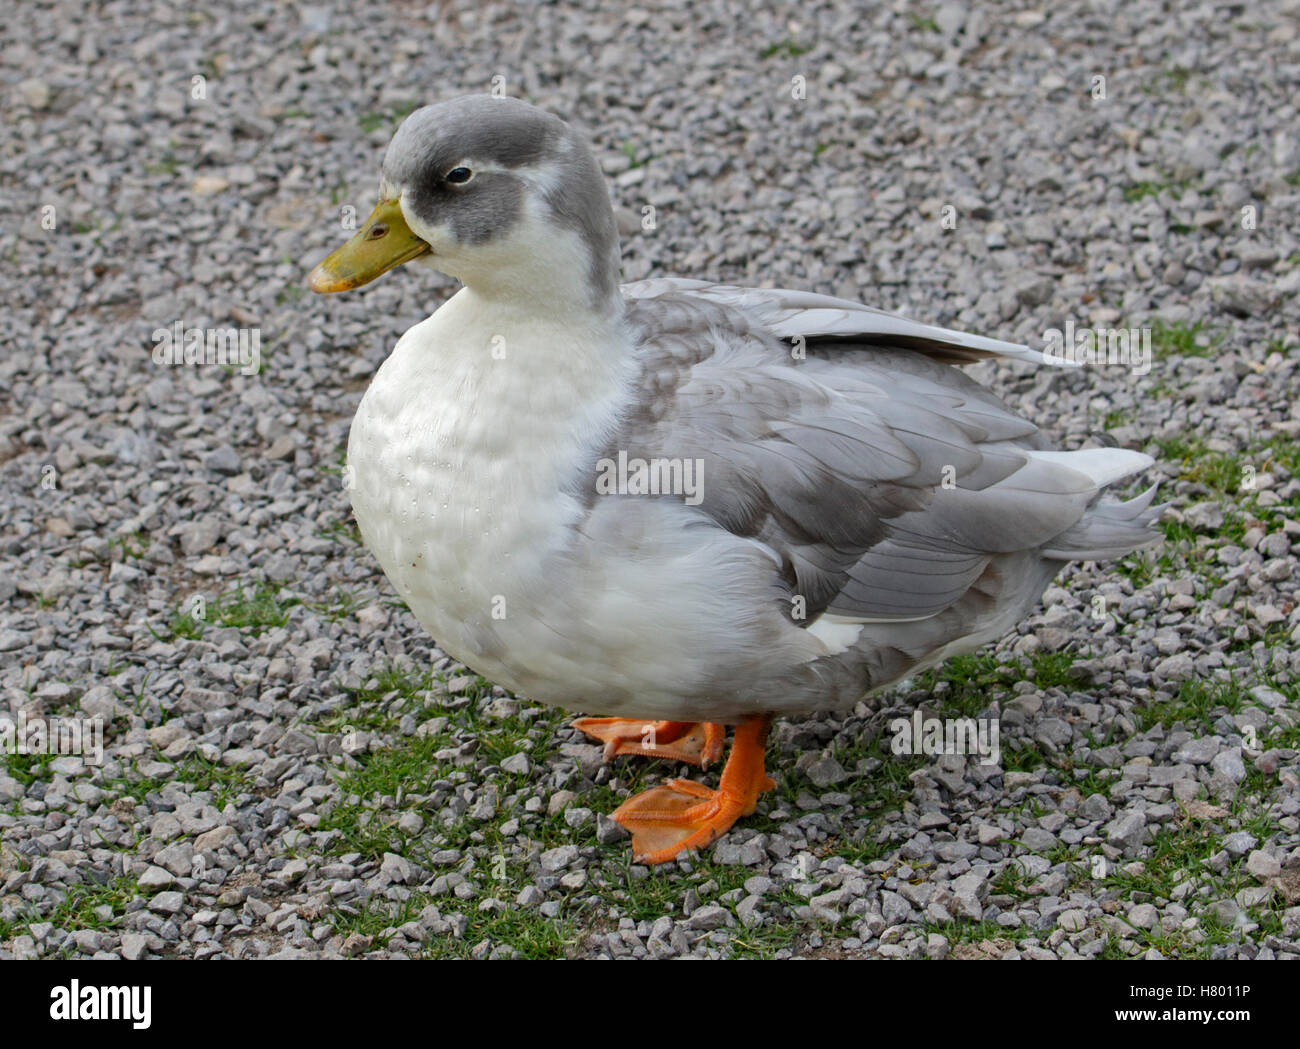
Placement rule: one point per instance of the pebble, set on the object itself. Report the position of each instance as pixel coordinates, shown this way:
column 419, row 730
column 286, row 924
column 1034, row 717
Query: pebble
column 1263, row 866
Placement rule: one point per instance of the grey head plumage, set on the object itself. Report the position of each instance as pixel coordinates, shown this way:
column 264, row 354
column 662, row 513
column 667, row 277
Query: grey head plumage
column 522, row 162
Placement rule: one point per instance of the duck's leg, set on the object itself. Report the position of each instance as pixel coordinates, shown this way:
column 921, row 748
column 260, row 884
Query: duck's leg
column 696, row 742
column 682, row 814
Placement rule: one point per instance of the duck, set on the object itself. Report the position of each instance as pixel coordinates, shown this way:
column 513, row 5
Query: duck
column 676, row 506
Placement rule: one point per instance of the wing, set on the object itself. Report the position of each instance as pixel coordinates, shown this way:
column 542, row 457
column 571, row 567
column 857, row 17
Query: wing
column 793, row 315
column 882, row 480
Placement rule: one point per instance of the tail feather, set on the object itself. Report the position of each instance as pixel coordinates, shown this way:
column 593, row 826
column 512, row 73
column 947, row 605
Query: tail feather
column 1109, row 530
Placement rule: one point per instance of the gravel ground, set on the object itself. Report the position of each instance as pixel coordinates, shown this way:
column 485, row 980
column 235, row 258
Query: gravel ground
column 293, row 768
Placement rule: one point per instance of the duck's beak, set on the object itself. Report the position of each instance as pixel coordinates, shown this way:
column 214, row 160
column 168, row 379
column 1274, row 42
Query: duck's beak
column 383, row 242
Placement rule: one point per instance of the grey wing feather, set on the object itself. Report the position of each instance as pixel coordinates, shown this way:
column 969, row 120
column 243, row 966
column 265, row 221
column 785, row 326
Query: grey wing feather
column 791, row 315
column 884, row 480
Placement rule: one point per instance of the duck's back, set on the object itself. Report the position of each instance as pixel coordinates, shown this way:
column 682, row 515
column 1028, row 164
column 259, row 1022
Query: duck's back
column 908, row 512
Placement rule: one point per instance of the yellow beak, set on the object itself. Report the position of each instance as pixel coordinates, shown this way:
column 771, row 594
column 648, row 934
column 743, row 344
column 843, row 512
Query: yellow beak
column 383, row 242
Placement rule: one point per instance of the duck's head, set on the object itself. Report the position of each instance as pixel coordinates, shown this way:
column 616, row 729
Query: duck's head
column 495, row 192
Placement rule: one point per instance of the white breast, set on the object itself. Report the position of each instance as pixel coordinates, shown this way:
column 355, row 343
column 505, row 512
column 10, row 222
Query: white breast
column 469, row 474
column 461, row 453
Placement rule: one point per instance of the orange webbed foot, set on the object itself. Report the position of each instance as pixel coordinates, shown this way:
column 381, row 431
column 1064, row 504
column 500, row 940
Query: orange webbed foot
column 695, row 742
column 681, row 814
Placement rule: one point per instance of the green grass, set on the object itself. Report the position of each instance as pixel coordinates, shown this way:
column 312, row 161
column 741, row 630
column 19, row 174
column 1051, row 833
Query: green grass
column 132, row 545
column 1282, row 451
column 633, row 153
column 343, row 604
column 1184, row 340
column 341, row 532
column 1052, row 669
column 787, row 47
column 1198, row 704
column 1020, row 755
column 531, row 935
column 225, row 783
column 410, row 766
column 168, row 164
column 1136, row 191
column 364, row 821
column 973, row 932
column 1175, row 855
column 1221, row 473
column 28, row 768
column 377, row 785
column 975, row 679
column 85, row 906
column 390, row 118
column 1228, row 478
column 374, row 793
column 256, row 610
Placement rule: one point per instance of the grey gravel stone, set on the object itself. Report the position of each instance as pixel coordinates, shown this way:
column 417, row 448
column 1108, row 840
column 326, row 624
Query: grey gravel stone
column 826, row 772
column 517, row 763
column 1263, row 866
column 1198, row 751
column 747, row 910
column 167, row 902
column 559, row 858
column 1230, row 764
column 155, row 878
column 1127, row 829
column 710, row 916
column 133, row 945
column 1240, row 843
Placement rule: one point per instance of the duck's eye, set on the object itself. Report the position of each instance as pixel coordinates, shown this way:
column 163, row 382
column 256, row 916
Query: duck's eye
column 459, row 175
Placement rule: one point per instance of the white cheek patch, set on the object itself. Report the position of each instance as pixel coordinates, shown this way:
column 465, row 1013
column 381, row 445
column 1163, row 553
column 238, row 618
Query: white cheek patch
column 437, row 237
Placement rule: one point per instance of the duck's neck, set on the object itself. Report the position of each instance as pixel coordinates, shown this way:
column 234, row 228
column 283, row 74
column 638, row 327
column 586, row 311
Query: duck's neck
column 509, row 381
column 530, row 337
column 545, row 268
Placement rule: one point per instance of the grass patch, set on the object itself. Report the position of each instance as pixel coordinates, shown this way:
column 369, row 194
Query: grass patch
column 85, row 906
column 168, row 164
column 225, row 783
column 633, row 153
column 530, row 934
column 132, row 545
column 1220, row 472
column 974, row 679
column 29, row 768
column 1136, row 191
column 1184, row 340
column 1198, row 703
column 256, row 611
column 787, row 47
column 341, row 532
column 393, row 116
column 1176, row 855
column 343, row 604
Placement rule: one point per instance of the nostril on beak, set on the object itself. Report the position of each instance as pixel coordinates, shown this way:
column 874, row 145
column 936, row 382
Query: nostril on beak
column 379, row 229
